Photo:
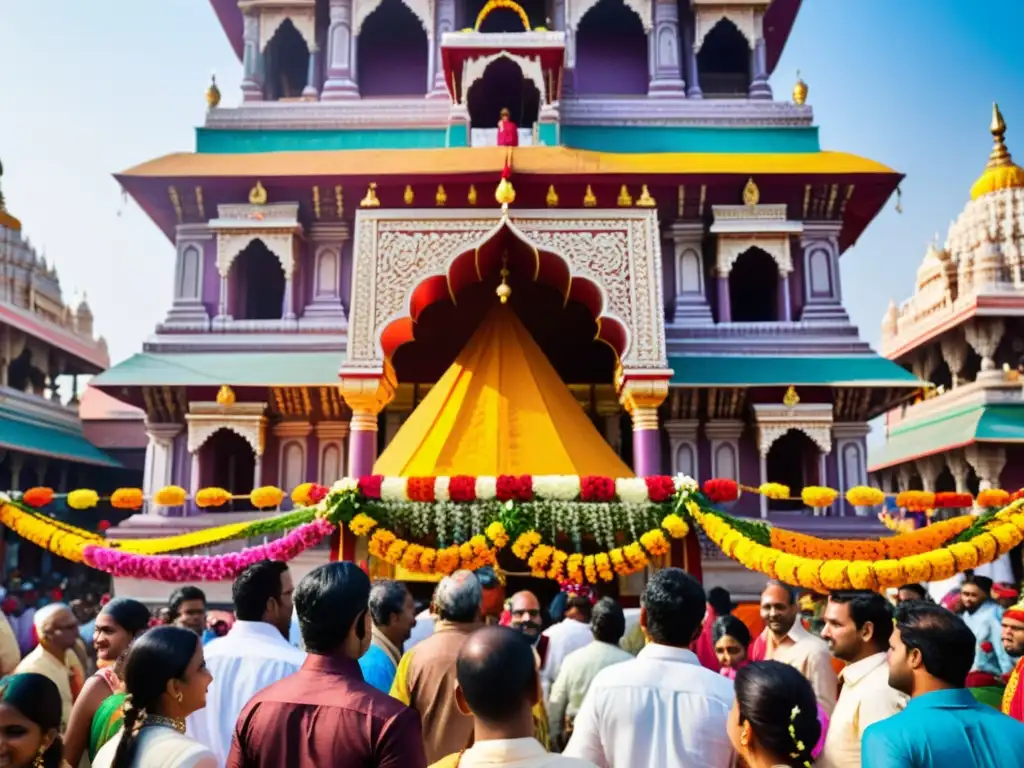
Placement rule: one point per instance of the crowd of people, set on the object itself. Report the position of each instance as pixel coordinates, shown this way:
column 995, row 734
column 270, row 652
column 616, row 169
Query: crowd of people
column 479, row 680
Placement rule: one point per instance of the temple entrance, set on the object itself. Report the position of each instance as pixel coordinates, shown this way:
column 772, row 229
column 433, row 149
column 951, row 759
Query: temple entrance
column 611, row 52
column 753, row 288
column 793, row 460
column 723, row 63
column 259, row 284
column 287, row 64
column 227, row 461
column 392, row 53
column 502, row 86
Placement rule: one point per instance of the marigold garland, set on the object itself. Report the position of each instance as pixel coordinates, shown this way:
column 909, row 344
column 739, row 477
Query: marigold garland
column 818, row 496
column 210, row 498
column 916, row 501
column 38, row 497
column 993, row 497
column 864, row 496
column 170, row 496
column 266, row 497
column 127, row 498
column 83, row 498
column 776, row 491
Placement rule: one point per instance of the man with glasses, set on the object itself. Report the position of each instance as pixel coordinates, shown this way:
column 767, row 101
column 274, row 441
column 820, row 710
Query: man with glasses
column 57, row 629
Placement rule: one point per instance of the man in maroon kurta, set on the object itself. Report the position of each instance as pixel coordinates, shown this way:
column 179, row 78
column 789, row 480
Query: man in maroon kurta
column 325, row 714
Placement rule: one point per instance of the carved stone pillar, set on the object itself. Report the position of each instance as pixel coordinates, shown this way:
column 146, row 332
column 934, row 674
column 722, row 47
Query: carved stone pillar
column 252, row 82
column 682, row 440
column 724, row 436
column 954, row 352
column 339, row 84
column 641, row 397
column 310, row 91
column 903, row 478
column 785, row 308
column 724, row 305
column 664, row 57
column 292, row 458
column 326, row 250
column 159, row 467
column 367, row 393
column 988, row 462
column 691, row 302
column 759, row 87
column 960, row 469
column 984, row 335
column 823, row 298
column 689, row 36
column 929, row 468
column 16, row 461
column 569, row 68
column 850, row 441
column 444, row 21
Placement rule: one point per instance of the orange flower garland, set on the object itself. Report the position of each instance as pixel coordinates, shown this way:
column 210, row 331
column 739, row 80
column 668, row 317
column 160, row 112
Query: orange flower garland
column 38, row 497
column 212, row 497
column 127, row 498
column 914, row 543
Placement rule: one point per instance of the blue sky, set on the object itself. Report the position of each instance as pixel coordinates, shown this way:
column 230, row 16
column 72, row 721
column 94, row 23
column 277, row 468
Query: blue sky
column 88, row 89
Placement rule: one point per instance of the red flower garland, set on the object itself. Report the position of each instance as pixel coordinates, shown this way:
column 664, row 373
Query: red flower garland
column 660, row 488
column 1018, row 494
column 721, row 490
column 420, row 489
column 514, row 488
column 951, row 500
column 597, row 488
column 317, row 493
column 38, row 497
column 369, row 486
column 462, row 488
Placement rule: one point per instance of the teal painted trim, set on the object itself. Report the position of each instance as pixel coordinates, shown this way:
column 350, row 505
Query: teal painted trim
column 239, row 142
column 819, row 371
column 548, row 134
column 458, row 135
column 633, row 139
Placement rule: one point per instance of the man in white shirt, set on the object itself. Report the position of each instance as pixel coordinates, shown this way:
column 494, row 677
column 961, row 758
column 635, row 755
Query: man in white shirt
column 253, row 655
column 568, row 635
column 662, row 708
column 857, row 628
column 498, row 685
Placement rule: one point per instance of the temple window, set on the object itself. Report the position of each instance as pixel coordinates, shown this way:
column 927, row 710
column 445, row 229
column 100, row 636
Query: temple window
column 611, row 52
column 507, row 19
column 23, row 376
column 753, row 288
column 723, row 63
column 503, row 86
column 793, row 460
column 259, row 284
column 227, row 461
column 392, row 53
column 287, row 64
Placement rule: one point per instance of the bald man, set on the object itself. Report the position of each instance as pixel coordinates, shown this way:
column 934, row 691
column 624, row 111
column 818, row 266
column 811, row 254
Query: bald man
column 57, row 628
column 498, row 685
column 524, row 609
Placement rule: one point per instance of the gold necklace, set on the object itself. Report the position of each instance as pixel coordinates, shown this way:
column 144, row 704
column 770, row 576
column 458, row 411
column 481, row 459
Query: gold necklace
column 177, row 723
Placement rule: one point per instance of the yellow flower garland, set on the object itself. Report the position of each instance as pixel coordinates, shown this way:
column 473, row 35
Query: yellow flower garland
column 62, row 543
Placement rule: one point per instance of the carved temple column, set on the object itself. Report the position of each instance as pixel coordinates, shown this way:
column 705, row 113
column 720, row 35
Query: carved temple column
column 310, row 91
column 984, row 335
column 682, row 440
column 850, row 440
column 691, row 301
column 759, row 87
column 988, row 462
column 929, row 468
column 563, row 23
column 159, row 467
column 327, row 243
column 664, row 58
column 444, row 21
column 960, row 469
column 785, row 306
column 252, row 82
column 331, row 451
column 954, row 352
column 641, row 396
column 823, row 298
column 339, row 84
column 724, row 305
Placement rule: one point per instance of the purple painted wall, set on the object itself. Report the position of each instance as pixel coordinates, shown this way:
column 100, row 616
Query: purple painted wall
column 181, row 472
column 797, row 280
column 345, row 273
column 392, row 53
column 611, row 52
column 211, row 278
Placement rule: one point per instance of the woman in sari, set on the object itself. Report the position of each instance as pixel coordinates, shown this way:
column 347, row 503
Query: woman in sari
column 117, row 625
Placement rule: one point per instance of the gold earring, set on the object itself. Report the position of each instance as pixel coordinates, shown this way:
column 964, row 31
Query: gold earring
column 38, row 762
column 179, row 696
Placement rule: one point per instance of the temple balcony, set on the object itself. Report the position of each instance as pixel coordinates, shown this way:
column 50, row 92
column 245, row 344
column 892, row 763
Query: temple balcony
column 796, row 337
column 995, row 388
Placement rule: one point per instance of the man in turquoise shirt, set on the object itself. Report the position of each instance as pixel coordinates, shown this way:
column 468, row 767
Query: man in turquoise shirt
column 931, row 653
column 394, row 615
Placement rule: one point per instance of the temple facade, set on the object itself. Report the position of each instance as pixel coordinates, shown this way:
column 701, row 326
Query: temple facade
column 45, row 346
column 962, row 331
column 672, row 234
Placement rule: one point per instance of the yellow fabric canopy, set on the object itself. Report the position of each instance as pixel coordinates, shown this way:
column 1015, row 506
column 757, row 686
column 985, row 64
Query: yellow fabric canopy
column 500, row 409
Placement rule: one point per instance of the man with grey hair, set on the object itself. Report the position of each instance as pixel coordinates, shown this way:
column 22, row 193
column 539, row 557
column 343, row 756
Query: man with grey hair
column 426, row 677
column 57, row 629
column 393, row 612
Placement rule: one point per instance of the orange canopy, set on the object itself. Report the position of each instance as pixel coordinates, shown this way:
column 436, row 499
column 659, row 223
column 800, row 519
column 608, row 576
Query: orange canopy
column 500, row 409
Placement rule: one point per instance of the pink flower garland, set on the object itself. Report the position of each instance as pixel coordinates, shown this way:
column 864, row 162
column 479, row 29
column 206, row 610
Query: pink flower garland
column 205, row 568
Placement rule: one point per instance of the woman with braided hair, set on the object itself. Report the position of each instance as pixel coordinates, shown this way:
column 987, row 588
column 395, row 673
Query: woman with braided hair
column 165, row 679
column 774, row 722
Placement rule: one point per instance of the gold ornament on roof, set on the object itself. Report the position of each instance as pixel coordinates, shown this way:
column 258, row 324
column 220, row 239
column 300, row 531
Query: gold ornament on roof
column 408, row 196
column 645, row 200
column 552, row 197
column 799, row 91
column 213, row 93
column 751, row 194
column 625, row 199
column 791, row 398
column 471, row 196
column 370, row 200
column 504, row 290
column 505, row 194
column 1000, row 171
column 441, row 198
column 589, row 199
column 258, row 195
column 225, row 396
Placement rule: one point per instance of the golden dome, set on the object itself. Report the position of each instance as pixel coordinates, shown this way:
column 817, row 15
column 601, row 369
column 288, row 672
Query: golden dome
column 800, row 91
column 1000, row 171
column 225, row 396
column 7, row 221
column 213, row 93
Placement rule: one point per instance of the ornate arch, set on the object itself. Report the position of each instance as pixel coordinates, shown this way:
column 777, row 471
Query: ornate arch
column 421, row 9
column 475, row 69
column 301, row 15
column 608, row 260
column 706, row 19
column 731, row 248
column 812, row 419
column 231, row 243
column 244, row 419
column 577, row 9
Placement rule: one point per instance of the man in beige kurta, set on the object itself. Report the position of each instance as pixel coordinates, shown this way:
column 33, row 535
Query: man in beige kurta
column 57, row 628
column 10, row 653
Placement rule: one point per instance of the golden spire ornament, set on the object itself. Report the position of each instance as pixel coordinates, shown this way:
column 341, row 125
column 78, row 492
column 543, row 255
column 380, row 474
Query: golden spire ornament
column 646, row 200
column 552, row 197
column 751, row 194
column 225, row 396
column 471, row 196
column 800, row 91
column 370, row 200
column 624, row 200
column 258, row 194
column 504, row 290
column 213, row 93
column 505, row 194
column 441, row 198
column 408, row 195
column 1000, row 170
column 589, row 199
column 791, row 399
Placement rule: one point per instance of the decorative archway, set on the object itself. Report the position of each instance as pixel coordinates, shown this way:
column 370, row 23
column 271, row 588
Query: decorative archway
column 475, row 69
column 773, row 420
column 422, row 9
column 577, row 9
column 274, row 13
column 247, row 420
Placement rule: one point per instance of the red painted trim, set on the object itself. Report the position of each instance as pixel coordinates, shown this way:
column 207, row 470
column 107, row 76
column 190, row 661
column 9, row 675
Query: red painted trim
column 55, row 336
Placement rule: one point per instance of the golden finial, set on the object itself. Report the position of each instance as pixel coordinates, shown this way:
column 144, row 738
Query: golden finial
column 504, row 290
column 645, row 200
column 441, row 197
column 624, row 199
column 408, row 196
column 589, row 199
column 799, row 90
column 505, row 194
column 213, row 93
column 370, row 201
column 552, row 197
column 258, row 195
column 791, row 398
column 751, row 194
column 471, row 197
column 1000, row 171
column 225, row 396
